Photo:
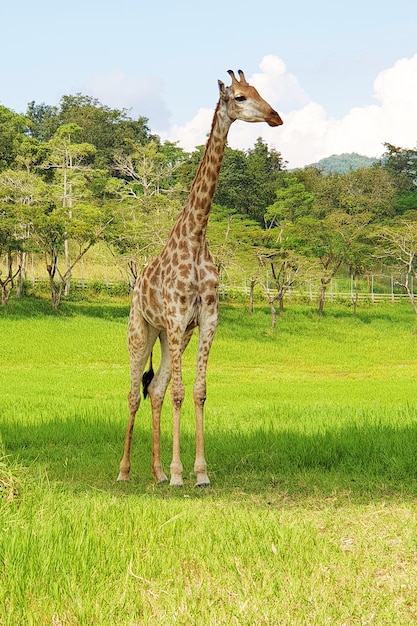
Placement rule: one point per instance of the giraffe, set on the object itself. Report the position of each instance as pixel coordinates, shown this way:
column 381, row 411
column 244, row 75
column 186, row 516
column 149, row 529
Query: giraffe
column 177, row 291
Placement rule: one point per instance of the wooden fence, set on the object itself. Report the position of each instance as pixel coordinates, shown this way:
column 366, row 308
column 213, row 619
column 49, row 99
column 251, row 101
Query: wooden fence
column 371, row 288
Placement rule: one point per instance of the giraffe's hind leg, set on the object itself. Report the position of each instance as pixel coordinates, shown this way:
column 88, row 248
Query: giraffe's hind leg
column 141, row 338
column 157, row 388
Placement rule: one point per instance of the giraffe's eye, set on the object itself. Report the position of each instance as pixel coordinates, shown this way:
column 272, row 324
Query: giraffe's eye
column 240, row 98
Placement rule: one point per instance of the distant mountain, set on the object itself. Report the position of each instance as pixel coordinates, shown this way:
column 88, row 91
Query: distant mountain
column 343, row 163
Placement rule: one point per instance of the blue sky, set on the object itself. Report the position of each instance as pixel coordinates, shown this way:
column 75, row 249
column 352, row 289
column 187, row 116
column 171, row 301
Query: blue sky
column 318, row 63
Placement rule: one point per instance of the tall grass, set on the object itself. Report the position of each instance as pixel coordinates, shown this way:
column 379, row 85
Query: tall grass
column 311, row 444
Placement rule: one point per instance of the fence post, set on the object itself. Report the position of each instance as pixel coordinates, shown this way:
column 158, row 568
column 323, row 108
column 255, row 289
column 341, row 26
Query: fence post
column 33, row 270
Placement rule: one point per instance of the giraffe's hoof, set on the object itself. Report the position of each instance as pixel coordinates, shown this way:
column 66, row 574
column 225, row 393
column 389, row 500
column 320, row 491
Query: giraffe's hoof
column 202, row 480
column 176, row 481
column 122, row 477
column 159, row 475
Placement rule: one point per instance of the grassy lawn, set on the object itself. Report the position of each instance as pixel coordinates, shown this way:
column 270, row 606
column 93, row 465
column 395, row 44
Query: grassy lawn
column 311, row 443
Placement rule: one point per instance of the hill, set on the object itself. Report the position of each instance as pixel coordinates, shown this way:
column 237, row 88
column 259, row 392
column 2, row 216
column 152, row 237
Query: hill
column 343, row 163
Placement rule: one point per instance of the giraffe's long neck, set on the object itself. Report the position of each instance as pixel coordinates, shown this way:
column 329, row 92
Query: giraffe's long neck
column 196, row 211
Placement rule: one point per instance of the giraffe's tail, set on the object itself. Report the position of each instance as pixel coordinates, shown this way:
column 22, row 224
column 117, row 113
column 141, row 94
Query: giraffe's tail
column 147, row 377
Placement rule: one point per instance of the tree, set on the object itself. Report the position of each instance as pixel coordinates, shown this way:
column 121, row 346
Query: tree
column 109, row 130
column 401, row 165
column 43, row 121
column 331, row 241
column 263, row 169
column 247, row 182
column 53, row 228
column 368, row 190
column 146, row 168
column 70, row 162
column 148, row 204
column 232, row 186
column 105, row 128
column 9, row 244
column 50, row 235
column 330, row 215
column 20, row 194
column 292, row 201
column 30, row 155
column 231, row 239
column 399, row 244
column 12, row 132
column 7, row 281
column 287, row 270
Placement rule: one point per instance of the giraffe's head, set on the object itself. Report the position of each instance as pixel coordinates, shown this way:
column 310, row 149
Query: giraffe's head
column 243, row 102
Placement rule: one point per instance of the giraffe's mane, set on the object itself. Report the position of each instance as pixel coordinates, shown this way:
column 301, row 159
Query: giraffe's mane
column 209, row 140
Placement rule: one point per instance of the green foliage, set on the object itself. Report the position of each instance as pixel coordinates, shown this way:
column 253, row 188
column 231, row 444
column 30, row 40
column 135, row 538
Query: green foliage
column 406, row 201
column 401, row 163
column 43, row 121
column 107, row 129
column 22, row 195
column 247, row 182
column 100, row 175
column 231, row 191
column 12, row 131
column 292, row 201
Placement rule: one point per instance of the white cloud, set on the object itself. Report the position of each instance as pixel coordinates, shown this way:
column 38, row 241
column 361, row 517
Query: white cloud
column 308, row 133
column 193, row 133
column 277, row 85
column 141, row 95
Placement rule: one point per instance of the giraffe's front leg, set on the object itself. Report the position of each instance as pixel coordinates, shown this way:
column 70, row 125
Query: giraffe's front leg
column 176, row 348
column 200, row 465
column 208, row 327
column 177, row 397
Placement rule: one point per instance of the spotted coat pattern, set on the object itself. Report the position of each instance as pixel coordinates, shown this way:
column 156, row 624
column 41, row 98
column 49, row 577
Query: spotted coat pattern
column 177, row 292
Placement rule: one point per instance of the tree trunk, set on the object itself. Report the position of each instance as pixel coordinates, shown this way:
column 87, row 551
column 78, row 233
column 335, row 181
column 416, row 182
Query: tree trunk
column 322, row 297
column 4, row 298
column 273, row 313
column 8, row 283
column 67, row 203
column 56, row 292
column 355, row 295
column 408, row 290
column 411, row 296
column 412, row 302
column 23, row 262
column 251, row 294
column 68, row 268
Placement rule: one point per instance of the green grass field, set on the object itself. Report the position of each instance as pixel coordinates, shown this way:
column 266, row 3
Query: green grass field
column 311, row 443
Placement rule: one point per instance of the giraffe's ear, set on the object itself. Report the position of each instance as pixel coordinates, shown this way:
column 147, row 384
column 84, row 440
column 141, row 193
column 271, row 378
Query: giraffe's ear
column 222, row 90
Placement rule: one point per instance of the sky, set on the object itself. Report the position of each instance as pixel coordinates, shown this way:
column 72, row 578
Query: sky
column 343, row 76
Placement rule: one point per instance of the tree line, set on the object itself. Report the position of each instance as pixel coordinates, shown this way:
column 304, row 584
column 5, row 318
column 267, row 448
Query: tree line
column 82, row 174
